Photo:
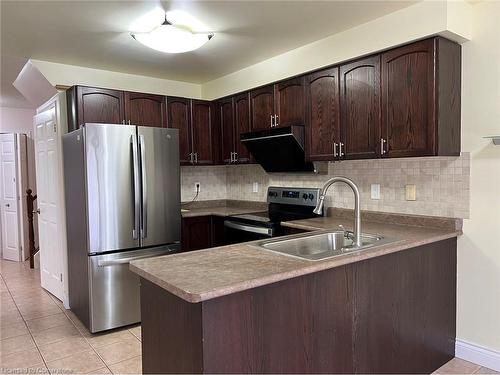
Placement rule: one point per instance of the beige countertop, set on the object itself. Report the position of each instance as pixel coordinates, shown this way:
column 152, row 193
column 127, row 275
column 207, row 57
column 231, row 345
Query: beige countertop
column 206, row 274
column 221, row 208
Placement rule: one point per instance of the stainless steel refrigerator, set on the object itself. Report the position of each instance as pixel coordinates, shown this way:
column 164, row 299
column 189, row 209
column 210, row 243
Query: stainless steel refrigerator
column 122, row 188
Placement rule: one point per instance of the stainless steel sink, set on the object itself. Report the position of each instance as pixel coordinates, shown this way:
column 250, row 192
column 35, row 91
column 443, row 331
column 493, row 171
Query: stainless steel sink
column 323, row 245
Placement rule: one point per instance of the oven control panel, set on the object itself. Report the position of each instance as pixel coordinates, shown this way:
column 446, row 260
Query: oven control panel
column 293, row 195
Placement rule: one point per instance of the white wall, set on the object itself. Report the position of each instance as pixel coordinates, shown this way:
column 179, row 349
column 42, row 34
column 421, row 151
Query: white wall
column 69, row 75
column 16, row 120
column 418, row 21
column 479, row 248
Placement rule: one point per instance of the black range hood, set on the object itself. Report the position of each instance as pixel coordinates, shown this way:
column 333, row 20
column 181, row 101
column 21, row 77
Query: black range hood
column 279, row 149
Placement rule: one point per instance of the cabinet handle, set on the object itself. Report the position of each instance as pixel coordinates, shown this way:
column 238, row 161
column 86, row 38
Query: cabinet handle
column 196, row 157
column 276, row 122
column 382, row 142
column 235, row 157
column 341, row 153
column 123, row 122
column 232, row 157
column 191, row 158
column 335, row 154
column 272, row 121
column 129, row 122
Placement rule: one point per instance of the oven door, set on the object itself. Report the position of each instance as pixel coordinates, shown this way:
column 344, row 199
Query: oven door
column 236, row 232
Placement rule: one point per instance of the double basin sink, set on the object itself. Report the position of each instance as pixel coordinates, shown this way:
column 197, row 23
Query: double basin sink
column 322, row 245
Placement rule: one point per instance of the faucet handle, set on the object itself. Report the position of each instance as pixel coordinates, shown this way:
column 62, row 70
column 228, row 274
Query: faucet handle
column 341, row 227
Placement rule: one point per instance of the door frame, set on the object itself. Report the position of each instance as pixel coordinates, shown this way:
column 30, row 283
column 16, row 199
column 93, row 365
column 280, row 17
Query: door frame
column 58, row 102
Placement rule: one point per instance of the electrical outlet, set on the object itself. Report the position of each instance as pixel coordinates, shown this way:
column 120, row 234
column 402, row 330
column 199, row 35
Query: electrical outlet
column 197, row 187
column 375, row 191
column 255, row 187
column 411, row 192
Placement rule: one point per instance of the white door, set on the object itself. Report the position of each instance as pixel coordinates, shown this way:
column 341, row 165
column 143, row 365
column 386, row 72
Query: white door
column 11, row 246
column 47, row 167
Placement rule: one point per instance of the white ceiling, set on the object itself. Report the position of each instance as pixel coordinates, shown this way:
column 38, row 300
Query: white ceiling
column 96, row 33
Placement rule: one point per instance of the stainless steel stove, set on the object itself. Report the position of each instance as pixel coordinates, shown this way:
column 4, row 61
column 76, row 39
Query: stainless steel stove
column 284, row 204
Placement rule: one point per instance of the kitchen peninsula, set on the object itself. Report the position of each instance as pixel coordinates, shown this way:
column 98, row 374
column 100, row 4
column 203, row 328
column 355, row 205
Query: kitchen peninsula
column 243, row 309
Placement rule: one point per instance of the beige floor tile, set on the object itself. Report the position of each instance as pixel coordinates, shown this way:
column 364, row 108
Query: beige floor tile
column 26, row 358
column 16, row 344
column 64, row 348
column 485, row 370
column 54, row 334
column 136, row 331
column 56, row 320
column 103, row 370
column 130, row 366
column 10, row 317
column 40, row 312
column 39, row 368
column 103, row 339
column 120, row 351
column 84, row 362
column 13, row 330
column 458, row 366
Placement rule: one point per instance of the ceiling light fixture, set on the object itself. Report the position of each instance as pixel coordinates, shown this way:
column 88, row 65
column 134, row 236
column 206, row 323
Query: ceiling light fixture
column 172, row 38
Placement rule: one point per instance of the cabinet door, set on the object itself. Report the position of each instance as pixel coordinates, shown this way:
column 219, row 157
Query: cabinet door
column 217, row 231
column 408, row 108
column 323, row 129
column 290, row 102
column 360, row 108
column 226, row 117
column 241, row 125
column 100, row 105
column 179, row 114
column 203, row 132
column 262, row 107
column 196, row 233
column 145, row 109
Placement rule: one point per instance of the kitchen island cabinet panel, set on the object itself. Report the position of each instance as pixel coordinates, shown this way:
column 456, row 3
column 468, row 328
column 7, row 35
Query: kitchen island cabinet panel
column 390, row 314
column 196, row 233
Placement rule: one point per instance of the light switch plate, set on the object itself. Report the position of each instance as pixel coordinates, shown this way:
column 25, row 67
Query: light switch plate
column 255, row 187
column 411, row 192
column 375, row 191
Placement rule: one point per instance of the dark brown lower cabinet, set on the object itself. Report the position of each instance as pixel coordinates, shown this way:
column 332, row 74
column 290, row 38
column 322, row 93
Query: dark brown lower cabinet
column 390, row 314
column 196, row 233
column 202, row 232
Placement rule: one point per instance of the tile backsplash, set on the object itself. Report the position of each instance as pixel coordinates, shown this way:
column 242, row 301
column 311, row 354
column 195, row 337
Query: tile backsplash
column 442, row 184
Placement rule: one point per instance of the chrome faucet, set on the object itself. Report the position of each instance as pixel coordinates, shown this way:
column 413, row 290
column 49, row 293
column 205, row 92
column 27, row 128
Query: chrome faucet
column 318, row 210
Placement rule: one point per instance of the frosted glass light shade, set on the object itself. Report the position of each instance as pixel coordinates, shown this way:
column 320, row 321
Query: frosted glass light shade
column 172, row 39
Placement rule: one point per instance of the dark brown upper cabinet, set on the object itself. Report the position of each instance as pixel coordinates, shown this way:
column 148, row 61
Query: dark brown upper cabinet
column 421, row 99
column 262, row 108
column 197, row 130
column 234, row 117
column 290, row 102
column 179, row 117
column 91, row 104
column 226, row 118
column 241, row 125
column 145, row 109
column 278, row 105
column 203, row 132
column 408, row 100
column 360, row 109
column 323, row 112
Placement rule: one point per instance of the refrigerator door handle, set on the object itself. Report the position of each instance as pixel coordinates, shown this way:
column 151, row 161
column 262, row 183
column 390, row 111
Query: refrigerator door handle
column 144, row 228
column 104, row 263
column 136, row 195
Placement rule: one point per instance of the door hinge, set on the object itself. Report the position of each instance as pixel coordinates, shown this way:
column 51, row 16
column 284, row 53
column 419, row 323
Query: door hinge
column 55, row 128
column 60, row 276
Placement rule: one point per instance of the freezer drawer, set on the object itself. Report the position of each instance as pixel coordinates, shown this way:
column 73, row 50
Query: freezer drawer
column 114, row 289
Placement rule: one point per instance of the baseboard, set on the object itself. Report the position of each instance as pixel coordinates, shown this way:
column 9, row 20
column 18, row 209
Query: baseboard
column 477, row 354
